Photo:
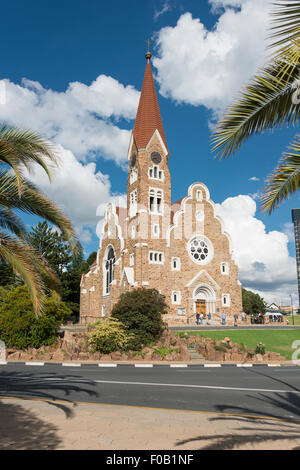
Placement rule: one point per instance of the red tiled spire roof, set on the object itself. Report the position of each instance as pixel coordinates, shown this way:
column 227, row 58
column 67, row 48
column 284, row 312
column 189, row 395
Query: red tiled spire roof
column 148, row 117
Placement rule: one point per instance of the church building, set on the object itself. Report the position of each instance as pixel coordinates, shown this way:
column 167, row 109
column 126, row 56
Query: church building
column 180, row 249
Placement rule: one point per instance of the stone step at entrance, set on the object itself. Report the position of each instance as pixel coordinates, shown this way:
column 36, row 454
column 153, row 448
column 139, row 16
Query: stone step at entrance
column 195, row 356
column 209, row 323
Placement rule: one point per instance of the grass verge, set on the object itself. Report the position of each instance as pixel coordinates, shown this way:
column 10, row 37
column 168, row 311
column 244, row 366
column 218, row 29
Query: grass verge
column 296, row 320
column 277, row 341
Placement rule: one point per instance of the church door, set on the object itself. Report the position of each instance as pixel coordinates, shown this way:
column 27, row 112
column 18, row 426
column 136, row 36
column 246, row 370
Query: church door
column 201, row 307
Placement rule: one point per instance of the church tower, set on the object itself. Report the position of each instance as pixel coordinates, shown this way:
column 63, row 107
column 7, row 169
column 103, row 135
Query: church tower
column 148, row 185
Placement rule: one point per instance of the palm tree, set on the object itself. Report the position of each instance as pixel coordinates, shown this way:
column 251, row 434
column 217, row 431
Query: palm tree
column 270, row 100
column 20, row 150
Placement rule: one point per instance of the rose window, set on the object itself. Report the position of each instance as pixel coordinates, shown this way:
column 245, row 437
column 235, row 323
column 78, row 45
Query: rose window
column 199, row 250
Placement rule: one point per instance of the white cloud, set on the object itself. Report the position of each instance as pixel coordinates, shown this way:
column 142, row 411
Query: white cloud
column 77, row 189
column 256, row 196
column 226, row 3
column 254, row 178
column 265, row 265
column 82, row 119
column 166, row 6
column 198, row 66
column 288, row 229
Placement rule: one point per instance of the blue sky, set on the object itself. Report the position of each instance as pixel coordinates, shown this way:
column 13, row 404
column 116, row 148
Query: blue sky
column 203, row 52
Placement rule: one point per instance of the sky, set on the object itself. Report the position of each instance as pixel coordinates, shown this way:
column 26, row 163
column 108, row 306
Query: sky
column 73, row 71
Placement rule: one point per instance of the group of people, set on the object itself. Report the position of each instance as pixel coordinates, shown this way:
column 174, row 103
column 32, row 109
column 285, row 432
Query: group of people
column 200, row 317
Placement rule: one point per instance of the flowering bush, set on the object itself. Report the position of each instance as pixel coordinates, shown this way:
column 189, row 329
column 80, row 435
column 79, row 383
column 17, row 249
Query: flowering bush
column 108, row 335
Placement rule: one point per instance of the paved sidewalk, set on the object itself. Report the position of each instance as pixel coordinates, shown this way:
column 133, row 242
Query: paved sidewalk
column 35, row 424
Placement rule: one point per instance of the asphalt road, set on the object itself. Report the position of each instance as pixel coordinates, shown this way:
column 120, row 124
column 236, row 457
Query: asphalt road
column 259, row 391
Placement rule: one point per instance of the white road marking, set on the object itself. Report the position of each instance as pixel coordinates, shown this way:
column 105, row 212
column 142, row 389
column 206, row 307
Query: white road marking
column 107, row 365
column 178, row 365
column 209, row 387
column 71, row 364
column 143, row 365
column 244, row 365
column 212, row 365
column 155, row 384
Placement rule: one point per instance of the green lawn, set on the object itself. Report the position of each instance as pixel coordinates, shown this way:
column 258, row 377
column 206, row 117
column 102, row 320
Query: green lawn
column 277, row 341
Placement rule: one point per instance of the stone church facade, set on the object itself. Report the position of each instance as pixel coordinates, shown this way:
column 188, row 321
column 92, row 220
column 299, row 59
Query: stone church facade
column 180, row 249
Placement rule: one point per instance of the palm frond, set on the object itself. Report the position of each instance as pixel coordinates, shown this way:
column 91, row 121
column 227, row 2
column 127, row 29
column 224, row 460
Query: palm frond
column 22, row 148
column 33, row 201
column 265, row 103
column 285, row 180
column 20, row 256
column 285, row 27
column 13, row 223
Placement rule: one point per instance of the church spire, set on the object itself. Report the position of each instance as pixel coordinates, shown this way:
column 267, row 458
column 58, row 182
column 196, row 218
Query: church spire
column 148, row 117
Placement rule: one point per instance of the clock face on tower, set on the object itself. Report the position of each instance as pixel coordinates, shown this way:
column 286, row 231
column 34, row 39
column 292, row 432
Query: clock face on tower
column 133, row 160
column 155, row 157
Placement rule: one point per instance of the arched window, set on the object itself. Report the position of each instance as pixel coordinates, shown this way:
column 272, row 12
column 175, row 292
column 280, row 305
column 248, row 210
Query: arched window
column 224, row 268
column 133, row 203
column 109, row 268
column 133, row 176
column 156, row 201
column 156, row 173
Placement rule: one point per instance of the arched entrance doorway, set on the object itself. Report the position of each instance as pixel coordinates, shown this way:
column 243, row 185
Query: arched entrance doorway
column 204, row 300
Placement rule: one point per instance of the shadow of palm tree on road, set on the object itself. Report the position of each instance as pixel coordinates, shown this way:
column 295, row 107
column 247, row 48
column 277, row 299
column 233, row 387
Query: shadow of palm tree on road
column 21, row 428
column 282, row 425
column 47, row 387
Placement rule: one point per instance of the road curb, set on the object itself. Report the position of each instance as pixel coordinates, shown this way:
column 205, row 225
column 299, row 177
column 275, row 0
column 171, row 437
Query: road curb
column 141, row 365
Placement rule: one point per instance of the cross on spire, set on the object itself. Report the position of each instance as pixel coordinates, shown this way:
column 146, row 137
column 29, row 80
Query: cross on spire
column 149, row 44
column 148, row 53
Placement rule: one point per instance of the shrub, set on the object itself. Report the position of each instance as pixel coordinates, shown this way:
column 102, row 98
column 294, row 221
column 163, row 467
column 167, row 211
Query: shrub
column 260, row 349
column 141, row 312
column 163, row 351
column 21, row 328
column 220, row 347
column 108, row 335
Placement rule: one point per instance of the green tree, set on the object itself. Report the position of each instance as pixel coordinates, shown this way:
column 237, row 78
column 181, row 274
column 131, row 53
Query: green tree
column 21, row 149
column 270, row 100
column 141, row 310
column 253, row 303
column 7, row 275
column 92, row 258
column 70, row 280
column 20, row 327
column 54, row 248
